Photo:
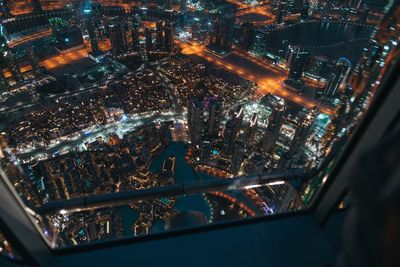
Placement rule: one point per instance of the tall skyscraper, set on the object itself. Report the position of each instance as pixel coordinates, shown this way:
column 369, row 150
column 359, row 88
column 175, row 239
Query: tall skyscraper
column 338, row 76
column 135, row 33
column 229, row 136
column 306, row 119
column 248, row 35
column 160, row 35
column 228, row 14
column 91, row 29
column 214, row 115
column 168, row 35
column 280, row 13
column 149, row 39
column 238, row 116
column 33, row 60
column 274, row 125
column 256, row 164
column 118, row 36
column 195, row 119
column 296, row 62
column 237, row 156
column 224, row 22
column 251, row 129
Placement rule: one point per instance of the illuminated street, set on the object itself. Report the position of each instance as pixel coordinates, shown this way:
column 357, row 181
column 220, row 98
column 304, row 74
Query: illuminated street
column 61, row 60
column 269, row 79
column 121, row 119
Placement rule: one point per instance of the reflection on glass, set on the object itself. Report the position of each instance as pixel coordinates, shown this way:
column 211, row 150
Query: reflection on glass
column 171, row 213
column 106, row 102
column 6, row 248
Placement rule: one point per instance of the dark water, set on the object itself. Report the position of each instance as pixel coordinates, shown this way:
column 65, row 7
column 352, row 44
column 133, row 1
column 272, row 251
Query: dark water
column 129, row 217
column 183, row 173
column 318, row 37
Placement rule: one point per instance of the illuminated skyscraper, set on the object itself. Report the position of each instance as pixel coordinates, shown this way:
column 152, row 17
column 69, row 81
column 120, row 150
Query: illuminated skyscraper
column 118, row 36
column 229, row 136
column 238, row 118
column 91, row 30
column 337, row 77
column 248, row 35
column 251, row 129
column 296, row 60
column 160, row 35
column 280, row 12
column 214, row 115
column 149, row 39
column 33, row 60
column 168, row 35
column 306, row 119
column 224, row 22
column 195, row 119
column 237, row 156
column 256, row 164
column 135, row 33
column 274, row 125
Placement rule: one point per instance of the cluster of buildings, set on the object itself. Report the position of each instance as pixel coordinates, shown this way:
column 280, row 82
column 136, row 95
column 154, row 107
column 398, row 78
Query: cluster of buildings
column 225, row 137
column 73, row 116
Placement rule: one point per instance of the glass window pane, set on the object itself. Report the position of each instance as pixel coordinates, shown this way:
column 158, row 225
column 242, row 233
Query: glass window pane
column 115, row 97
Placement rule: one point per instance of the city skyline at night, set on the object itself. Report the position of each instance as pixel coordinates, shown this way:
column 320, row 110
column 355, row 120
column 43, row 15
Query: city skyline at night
column 106, row 97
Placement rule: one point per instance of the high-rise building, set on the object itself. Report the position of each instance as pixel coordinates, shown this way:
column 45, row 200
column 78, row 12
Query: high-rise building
column 205, row 150
column 256, row 164
column 274, row 125
column 306, row 119
column 237, row 156
column 224, row 22
column 195, row 119
column 149, row 39
column 238, row 116
column 33, row 60
column 91, row 31
column 280, row 13
column 247, row 35
column 338, row 77
column 214, row 115
column 118, row 36
column 168, row 35
column 318, row 66
column 229, row 136
column 228, row 14
column 160, row 35
column 135, row 33
column 296, row 62
column 251, row 129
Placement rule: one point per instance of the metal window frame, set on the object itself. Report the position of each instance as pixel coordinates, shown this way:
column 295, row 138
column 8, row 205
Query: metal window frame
column 382, row 114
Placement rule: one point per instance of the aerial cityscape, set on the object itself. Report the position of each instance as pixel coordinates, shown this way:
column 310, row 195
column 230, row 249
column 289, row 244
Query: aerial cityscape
column 107, row 96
